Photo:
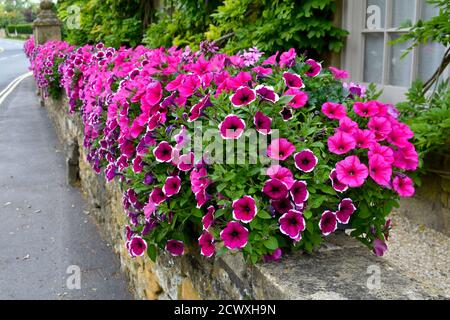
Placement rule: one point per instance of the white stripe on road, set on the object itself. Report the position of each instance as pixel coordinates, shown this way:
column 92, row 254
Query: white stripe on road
column 14, row 56
column 1, row 49
column 10, row 88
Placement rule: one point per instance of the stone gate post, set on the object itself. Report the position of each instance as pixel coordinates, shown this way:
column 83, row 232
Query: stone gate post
column 47, row 26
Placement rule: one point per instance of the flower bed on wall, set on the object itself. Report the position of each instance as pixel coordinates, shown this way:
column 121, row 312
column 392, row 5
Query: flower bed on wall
column 225, row 153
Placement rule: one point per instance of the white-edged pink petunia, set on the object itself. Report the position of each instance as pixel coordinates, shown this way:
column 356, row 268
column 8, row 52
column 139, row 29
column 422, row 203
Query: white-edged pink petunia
column 328, row 222
column 163, row 152
column 299, row 192
column 232, row 127
column 244, row 209
column 292, row 224
column 345, row 209
column 305, row 160
column 243, row 96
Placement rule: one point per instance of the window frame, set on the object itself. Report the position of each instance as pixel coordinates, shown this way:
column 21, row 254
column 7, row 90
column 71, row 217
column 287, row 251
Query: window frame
column 354, row 20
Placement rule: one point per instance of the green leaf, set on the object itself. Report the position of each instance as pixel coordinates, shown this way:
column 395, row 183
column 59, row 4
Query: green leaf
column 271, row 243
column 264, row 214
column 152, row 252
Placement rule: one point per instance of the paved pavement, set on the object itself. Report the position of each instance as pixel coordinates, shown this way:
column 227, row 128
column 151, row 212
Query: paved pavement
column 45, row 227
column 13, row 61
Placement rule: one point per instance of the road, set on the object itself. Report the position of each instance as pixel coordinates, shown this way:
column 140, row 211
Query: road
column 46, row 232
column 13, row 61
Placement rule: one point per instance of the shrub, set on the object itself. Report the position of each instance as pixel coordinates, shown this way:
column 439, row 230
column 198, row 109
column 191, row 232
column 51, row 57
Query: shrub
column 332, row 155
column 20, row 29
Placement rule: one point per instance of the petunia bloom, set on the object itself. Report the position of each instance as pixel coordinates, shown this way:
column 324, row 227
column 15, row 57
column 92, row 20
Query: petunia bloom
column 328, row 222
column 157, row 195
column 234, row 235
column 338, row 73
column 283, row 205
column 275, row 189
column 287, row 58
column 345, row 209
column 380, row 170
column 208, row 218
column 244, row 209
column 334, row 110
column 379, row 247
column 292, row 223
column 293, row 80
column 163, row 152
column 386, row 152
column 206, row 243
column 243, row 96
column 262, row 123
column 300, row 98
column 175, row 247
column 172, row 186
column 365, row 109
column 364, row 138
column 347, row 125
column 137, row 246
column 280, row 149
column 267, row 93
column 314, row 68
column 381, row 127
column 335, row 183
column 281, row 173
column 274, row 256
column 341, row 143
column 305, row 160
column 351, row 172
column 232, row 127
column 299, row 192
column 404, row 186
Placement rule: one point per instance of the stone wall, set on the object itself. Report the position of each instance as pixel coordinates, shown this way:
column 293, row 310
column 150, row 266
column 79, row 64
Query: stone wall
column 341, row 269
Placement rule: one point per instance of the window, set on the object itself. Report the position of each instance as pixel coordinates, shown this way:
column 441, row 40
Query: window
column 369, row 57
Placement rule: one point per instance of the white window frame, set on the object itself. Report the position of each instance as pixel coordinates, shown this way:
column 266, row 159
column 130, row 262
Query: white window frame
column 354, row 20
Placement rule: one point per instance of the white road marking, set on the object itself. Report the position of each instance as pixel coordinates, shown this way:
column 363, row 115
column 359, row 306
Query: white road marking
column 10, row 88
column 1, row 49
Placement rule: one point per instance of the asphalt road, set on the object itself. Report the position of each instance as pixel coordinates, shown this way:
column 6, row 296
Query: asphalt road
column 13, row 61
column 46, row 232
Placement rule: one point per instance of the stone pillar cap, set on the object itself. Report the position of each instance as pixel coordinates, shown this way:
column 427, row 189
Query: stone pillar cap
column 46, row 16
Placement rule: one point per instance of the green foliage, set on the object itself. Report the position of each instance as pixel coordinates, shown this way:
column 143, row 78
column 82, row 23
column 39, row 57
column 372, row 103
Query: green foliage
column 237, row 25
column 20, row 29
column 429, row 118
column 114, row 22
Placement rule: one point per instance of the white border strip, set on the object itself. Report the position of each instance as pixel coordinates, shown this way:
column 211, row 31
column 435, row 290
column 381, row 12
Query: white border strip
column 10, row 88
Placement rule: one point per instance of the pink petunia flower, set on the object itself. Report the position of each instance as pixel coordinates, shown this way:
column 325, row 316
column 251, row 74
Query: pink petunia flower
column 137, row 246
column 262, row 123
column 334, row 110
column 283, row 205
column 157, row 195
column 341, row 143
column 267, row 93
column 299, row 100
column 338, row 73
column 208, row 218
column 163, row 152
column 272, row 60
column 379, row 247
column 206, row 243
column 364, row 138
column 138, row 164
column 345, row 209
column 149, row 209
column 172, row 186
column 299, row 192
column 381, row 127
column 287, row 59
column 232, row 127
column 280, row 149
column 292, row 223
column 314, row 69
column 243, row 96
column 281, row 173
column 365, row 109
column 175, row 247
column 234, row 236
column 404, row 186
column 351, row 172
column 386, row 152
column 328, row 222
column 380, row 171
column 406, row 158
column 293, row 80
column 335, row 183
column 186, row 162
column 305, row 160
column 244, row 209
column 347, row 125
column 275, row 189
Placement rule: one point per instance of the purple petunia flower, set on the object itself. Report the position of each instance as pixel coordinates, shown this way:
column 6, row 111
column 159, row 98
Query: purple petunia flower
column 299, row 192
column 206, row 243
column 379, row 247
column 305, row 160
column 283, row 205
column 274, row 256
column 244, row 209
column 314, row 69
column 275, row 189
column 208, row 218
column 336, row 184
column 243, row 96
column 231, row 127
column 175, row 247
column 328, row 222
column 137, row 246
column 267, row 93
column 292, row 223
column 172, row 186
column 157, row 195
column 293, row 80
column 345, row 210
column 234, row 236
column 163, row 152
column 262, row 123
